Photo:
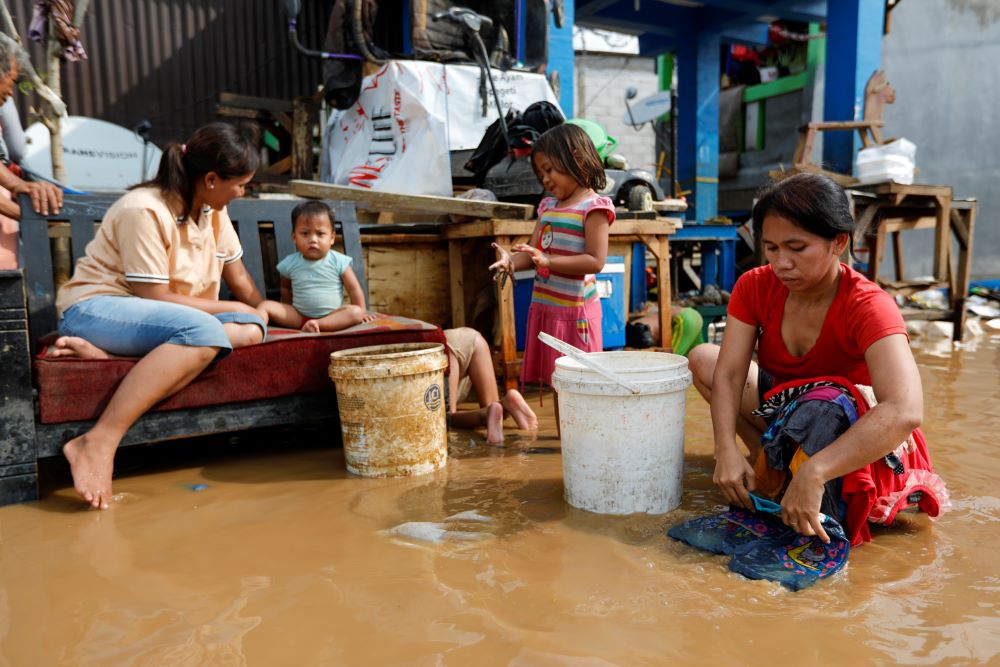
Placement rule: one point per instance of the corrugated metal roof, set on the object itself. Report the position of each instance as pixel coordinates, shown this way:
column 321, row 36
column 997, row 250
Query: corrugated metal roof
column 166, row 61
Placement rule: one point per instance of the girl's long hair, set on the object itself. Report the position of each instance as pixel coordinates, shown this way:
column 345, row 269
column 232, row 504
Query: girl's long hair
column 571, row 152
column 228, row 150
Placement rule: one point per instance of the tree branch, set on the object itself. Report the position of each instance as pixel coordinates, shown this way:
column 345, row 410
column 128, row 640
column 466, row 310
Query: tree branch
column 28, row 70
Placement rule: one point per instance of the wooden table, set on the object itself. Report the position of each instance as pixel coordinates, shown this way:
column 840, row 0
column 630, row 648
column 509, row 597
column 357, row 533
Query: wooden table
column 653, row 233
column 884, row 209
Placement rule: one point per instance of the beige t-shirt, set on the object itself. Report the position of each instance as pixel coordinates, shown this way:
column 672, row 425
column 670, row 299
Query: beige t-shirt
column 141, row 240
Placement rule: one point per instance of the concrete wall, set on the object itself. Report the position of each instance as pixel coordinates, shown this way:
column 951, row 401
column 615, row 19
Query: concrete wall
column 601, row 81
column 943, row 59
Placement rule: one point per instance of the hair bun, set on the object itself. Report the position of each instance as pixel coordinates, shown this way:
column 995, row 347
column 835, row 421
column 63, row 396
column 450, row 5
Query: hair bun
column 250, row 132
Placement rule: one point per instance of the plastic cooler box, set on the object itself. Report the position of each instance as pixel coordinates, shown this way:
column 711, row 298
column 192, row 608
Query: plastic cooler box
column 611, row 289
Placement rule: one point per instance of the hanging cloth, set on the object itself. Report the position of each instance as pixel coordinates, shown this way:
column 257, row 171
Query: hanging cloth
column 61, row 13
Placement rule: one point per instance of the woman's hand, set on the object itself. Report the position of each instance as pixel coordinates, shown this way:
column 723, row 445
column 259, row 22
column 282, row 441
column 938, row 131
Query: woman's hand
column 45, row 198
column 540, row 259
column 801, row 502
column 734, row 476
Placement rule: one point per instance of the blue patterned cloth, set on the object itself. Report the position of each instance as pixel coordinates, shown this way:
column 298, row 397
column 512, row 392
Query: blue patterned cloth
column 762, row 547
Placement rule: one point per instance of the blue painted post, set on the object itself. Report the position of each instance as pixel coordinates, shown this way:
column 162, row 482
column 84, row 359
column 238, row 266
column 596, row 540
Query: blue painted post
column 698, row 123
column 727, row 264
column 637, row 287
column 561, row 56
column 709, row 264
column 854, row 40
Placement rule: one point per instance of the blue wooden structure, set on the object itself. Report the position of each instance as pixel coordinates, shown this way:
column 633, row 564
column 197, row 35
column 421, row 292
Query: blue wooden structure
column 695, row 33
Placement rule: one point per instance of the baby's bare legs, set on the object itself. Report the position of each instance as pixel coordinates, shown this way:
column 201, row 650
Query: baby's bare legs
column 343, row 317
column 282, row 314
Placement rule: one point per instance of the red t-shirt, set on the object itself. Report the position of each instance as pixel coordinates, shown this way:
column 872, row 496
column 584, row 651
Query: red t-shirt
column 860, row 314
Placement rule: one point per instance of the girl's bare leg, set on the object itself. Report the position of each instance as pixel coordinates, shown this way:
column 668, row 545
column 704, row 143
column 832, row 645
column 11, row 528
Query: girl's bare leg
column 484, row 381
column 515, row 405
column 161, row 373
column 343, row 317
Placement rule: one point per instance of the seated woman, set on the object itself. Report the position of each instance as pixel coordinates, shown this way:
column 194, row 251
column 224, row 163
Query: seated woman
column 149, row 287
column 821, row 330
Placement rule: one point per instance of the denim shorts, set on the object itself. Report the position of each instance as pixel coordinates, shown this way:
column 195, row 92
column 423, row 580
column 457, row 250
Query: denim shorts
column 132, row 326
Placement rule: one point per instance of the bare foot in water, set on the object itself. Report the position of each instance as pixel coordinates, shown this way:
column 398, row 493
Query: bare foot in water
column 494, row 423
column 77, row 348
column 519, row 409
column 91, row 463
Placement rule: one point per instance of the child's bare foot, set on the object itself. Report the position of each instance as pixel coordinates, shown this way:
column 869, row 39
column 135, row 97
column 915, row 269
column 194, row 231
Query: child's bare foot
column 311, row 326
column 519, row 409
column 91, row 463
column 494, row 423
column 77, row 348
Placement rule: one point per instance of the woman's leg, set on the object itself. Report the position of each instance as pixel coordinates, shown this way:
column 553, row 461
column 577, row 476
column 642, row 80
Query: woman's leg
column 702, row 360
column 175, row 344
column 161, row 373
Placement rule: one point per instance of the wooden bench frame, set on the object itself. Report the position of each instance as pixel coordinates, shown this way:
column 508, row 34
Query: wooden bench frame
column 27, row 313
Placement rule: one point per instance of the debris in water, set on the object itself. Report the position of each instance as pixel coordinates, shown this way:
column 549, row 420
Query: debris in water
column 429, row 531
column 196, row 487
column 470, row 515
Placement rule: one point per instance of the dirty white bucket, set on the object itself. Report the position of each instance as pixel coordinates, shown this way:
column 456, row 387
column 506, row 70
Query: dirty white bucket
column 392, row 409
column 623, row 452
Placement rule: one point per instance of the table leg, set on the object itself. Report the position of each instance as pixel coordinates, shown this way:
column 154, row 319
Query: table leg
column 942, row 237
column 663, row 289
column 508, row 337
column 964, row 222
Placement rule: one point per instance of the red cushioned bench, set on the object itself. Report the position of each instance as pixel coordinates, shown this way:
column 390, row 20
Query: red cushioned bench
column 44, row 401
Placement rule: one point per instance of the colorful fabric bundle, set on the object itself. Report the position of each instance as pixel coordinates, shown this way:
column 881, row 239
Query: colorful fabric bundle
column 762, row 547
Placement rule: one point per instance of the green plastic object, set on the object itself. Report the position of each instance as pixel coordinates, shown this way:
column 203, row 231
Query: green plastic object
column 603, row 142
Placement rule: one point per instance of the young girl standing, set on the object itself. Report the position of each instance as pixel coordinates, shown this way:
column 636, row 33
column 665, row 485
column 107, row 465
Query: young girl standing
column 568, row 246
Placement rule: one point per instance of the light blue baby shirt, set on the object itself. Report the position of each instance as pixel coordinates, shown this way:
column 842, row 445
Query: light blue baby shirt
column 317, row 287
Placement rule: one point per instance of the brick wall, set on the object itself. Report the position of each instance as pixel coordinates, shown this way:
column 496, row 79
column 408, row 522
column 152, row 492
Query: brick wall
column 601, row 81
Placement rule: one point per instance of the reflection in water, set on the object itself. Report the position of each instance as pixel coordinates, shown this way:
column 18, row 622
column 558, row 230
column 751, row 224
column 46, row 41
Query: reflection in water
column 263, row 550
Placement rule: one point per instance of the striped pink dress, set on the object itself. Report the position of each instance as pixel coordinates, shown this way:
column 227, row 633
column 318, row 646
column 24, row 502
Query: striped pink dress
column 563, row 305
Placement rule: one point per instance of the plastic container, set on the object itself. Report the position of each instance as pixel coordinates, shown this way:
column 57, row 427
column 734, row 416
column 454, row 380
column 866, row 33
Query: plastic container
column 603, row 142
column 623, row 453
column 894, row 161
column 611, row 289
column 392, row 409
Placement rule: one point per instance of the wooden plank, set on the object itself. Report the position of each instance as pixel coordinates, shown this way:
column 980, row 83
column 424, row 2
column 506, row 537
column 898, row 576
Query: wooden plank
column 457, row 291
column 252, row 102
column 412, row 281
column 161, row 426
column 282, row 166
column 663, row 288
column 36, row 260
column 504, row 227
column 392, row 201
column 508, row 335
column 942, row 236
column 18, row 471
column 247, row 114
column 963, row 216
column 897, row 254
column 283, row 237
column 303, row 119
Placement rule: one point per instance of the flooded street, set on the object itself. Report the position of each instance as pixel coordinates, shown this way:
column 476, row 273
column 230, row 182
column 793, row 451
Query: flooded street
column 268, row 553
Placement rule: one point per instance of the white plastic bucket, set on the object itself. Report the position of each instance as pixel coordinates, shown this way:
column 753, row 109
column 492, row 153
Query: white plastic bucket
column 622, row 452
column 392, row 409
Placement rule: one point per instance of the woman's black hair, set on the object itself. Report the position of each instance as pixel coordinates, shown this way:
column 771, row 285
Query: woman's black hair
column 228, row 150
column 811, row 201
column 571, row 152
column 308, row 209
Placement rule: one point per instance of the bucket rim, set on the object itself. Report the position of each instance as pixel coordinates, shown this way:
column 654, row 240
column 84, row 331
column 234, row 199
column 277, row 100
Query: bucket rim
column 368, row 352
column 670, row 362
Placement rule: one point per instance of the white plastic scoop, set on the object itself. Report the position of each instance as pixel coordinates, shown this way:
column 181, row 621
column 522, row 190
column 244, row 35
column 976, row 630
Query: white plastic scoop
column 585, row 359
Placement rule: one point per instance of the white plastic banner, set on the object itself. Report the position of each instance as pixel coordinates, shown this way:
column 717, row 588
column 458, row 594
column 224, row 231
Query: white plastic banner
column 395, row 137
column 409, row 115
column 467, row 124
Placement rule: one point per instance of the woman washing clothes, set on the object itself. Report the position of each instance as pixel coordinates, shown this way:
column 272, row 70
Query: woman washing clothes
column 831, row 409
column 149, row 287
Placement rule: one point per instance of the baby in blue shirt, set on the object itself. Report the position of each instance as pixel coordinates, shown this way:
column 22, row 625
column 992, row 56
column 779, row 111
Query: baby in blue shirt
column 314, row 279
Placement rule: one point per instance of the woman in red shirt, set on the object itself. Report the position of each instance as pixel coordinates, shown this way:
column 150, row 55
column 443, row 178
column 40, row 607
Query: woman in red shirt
column 809, row 316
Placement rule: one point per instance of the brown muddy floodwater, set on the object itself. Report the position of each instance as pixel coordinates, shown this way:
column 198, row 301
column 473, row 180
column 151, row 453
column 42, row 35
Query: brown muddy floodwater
column 284, row 559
